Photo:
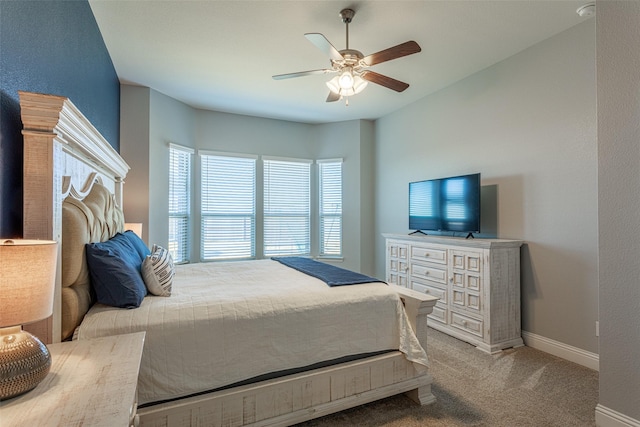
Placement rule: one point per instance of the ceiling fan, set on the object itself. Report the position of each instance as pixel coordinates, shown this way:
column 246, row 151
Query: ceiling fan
column 352, row 67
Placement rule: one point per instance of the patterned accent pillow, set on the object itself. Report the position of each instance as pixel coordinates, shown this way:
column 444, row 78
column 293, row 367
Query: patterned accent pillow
column 158, row 271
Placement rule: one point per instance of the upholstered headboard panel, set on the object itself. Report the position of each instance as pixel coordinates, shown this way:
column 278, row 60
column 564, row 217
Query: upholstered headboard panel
column 95, row 218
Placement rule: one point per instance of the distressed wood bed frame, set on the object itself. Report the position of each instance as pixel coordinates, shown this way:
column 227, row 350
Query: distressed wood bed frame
column 64, row 154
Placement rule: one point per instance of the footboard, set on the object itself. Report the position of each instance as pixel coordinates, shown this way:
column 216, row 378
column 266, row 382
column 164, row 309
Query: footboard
column 417, row 306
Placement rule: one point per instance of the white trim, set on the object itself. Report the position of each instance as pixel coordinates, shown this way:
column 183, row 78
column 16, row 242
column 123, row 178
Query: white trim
column 226, row 154
column 286, row 159
column 606, row 417
column 181, row 148
column 337, row 160
column 567, row 352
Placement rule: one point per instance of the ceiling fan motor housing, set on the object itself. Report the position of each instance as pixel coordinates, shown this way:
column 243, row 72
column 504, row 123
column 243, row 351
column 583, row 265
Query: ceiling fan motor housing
column 351, row 57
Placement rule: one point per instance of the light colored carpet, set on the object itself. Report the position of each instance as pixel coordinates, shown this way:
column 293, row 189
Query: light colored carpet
column 517, row 387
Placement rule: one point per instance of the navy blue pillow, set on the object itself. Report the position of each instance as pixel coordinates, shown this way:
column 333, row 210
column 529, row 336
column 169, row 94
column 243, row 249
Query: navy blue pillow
column 138, row 244
column 114, row 268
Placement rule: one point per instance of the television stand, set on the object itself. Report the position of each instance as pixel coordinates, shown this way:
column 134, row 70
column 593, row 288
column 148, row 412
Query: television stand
column 421, row 232
column 470, row 236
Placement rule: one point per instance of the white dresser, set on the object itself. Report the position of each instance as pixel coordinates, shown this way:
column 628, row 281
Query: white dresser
column 477, row 281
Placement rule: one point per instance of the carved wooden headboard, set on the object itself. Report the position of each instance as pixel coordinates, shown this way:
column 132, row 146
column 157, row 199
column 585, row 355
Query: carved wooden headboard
column 63, row 154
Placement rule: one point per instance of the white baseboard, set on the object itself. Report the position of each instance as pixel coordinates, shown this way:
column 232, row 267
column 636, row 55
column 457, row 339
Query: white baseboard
column 606, row 417
column 567, row 352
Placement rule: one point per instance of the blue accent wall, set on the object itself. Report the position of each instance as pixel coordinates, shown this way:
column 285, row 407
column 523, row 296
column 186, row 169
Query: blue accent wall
column 53, row 47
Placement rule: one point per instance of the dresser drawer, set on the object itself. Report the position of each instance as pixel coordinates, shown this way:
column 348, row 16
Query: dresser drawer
column 426, row 272
column 430, row 290
column 467, row 324
column 429, row 254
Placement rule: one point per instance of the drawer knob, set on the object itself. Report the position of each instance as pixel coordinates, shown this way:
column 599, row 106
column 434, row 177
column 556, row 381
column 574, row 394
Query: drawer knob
column 427, row 254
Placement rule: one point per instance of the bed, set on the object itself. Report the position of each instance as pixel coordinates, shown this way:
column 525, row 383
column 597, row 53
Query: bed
column 325, row 352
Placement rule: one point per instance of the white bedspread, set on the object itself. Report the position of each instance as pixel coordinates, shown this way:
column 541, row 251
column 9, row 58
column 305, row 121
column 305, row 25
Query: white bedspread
column 227, row 322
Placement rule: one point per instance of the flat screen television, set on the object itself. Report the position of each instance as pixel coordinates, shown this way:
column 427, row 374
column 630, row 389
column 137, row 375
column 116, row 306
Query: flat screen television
column 445, row 204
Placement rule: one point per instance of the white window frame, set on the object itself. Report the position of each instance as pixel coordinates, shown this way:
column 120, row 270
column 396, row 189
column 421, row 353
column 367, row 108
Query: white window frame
column 241, row 219
column 296, row 214
column 327, row 244
column 179, row 241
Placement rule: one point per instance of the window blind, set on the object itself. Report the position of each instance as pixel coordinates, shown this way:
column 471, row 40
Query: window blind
column 179, row 202
column 228, row 214
column 330, row 207
column 287, row 207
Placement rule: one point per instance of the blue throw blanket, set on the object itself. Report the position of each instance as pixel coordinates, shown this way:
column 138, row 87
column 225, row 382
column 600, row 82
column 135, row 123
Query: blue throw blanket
column 331, row 275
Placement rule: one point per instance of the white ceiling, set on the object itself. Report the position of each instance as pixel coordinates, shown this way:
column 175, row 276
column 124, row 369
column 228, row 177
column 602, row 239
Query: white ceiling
column 220, row 55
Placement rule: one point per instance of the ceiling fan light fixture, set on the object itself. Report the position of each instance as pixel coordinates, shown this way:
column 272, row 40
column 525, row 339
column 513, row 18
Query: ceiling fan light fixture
column 346, row 79
column 334, row 85
column 357, row 85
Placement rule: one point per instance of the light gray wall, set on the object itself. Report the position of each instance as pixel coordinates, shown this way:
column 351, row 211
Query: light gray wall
column 134, row 130
column 618, row 62
column 149, row 122
column 170, row 121
column 367, row 197
column 528, row 125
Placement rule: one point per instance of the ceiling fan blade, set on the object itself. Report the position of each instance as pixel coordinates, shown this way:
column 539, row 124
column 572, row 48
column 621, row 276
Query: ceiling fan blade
column 333, row 97
column 385, row 81
column 404, row 49
column 324, row 45
column 300, row 74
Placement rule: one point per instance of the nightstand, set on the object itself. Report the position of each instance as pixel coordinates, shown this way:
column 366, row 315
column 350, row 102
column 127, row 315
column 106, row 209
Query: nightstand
column 91, row 383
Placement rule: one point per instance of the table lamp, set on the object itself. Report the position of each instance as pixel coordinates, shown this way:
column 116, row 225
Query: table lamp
column 27, row 281
column 136, row 227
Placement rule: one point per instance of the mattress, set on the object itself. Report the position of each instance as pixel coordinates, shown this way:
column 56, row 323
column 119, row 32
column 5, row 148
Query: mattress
column 232, row 321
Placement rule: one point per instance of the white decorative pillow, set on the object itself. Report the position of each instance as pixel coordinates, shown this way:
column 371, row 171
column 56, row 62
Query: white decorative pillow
column 158, row 271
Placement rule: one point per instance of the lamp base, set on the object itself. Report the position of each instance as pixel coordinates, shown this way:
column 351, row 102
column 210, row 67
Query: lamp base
column 24, row 362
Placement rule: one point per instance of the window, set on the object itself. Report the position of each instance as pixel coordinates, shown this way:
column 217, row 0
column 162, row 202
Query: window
column 287, row 207
column 179, row 202
column 228, row 213
column 330, row 207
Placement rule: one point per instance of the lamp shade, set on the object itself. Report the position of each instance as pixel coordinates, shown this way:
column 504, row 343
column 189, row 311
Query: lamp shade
column 27, row 280
column 136, row 227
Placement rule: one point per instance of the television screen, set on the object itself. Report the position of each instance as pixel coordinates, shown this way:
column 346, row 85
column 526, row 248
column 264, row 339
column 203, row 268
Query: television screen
column 445, row 204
